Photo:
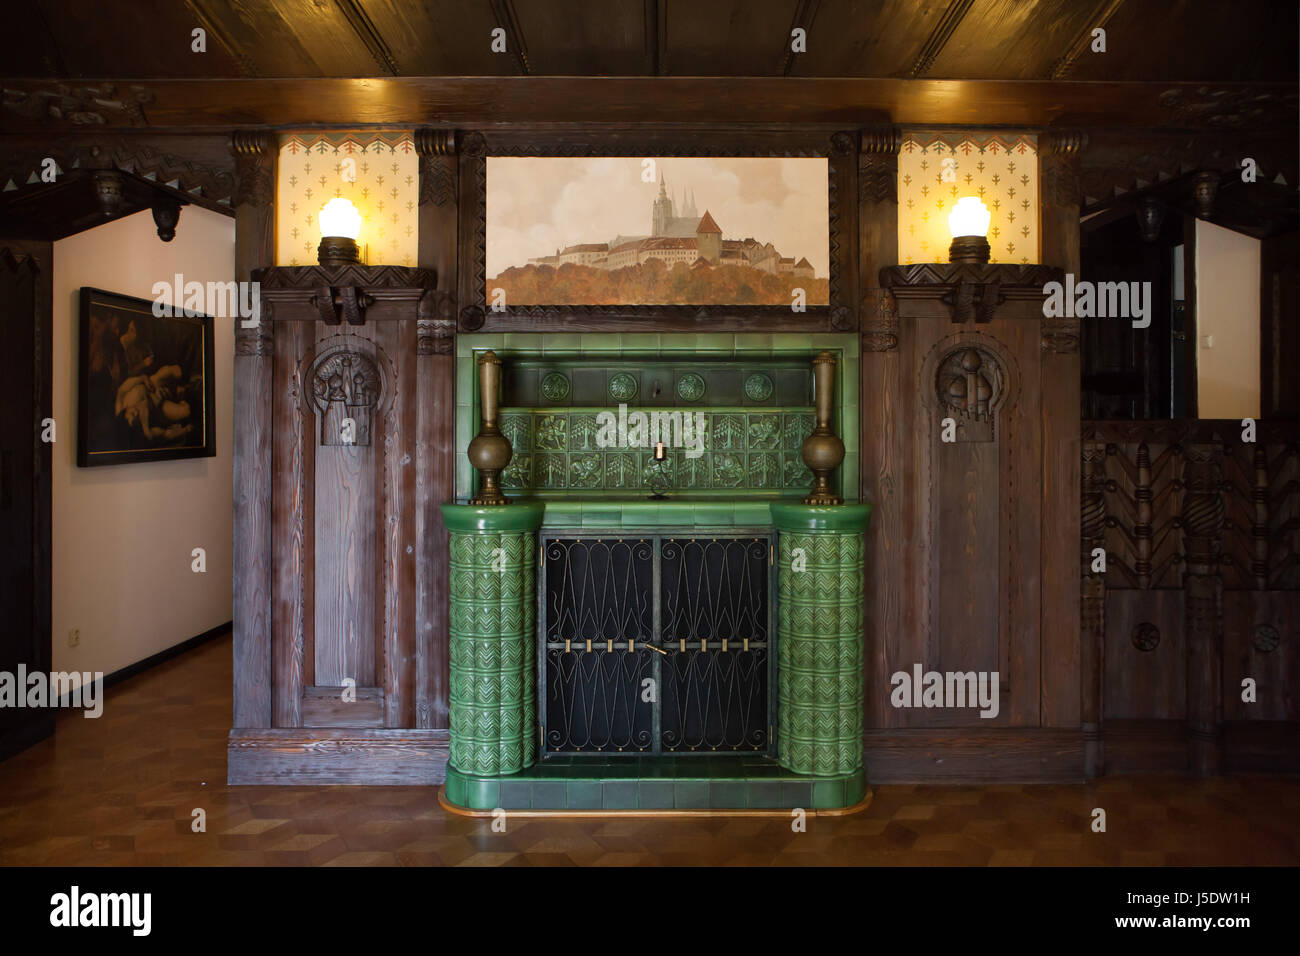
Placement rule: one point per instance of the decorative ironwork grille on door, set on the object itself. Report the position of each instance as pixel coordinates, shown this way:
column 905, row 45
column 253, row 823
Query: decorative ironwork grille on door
column 655, row 644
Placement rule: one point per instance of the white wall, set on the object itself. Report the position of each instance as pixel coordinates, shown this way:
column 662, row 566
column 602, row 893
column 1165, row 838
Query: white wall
column 1227, row 308
column 123, row 534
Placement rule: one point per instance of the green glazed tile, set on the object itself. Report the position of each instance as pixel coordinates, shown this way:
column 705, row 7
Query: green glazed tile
column 714, row 514
column 641, row 341
column 600, row 342
column 728, row 795
column 796, row 794
column 691, row 794
column 763, row 794
column 561, row 342
column 619, row 795
column 516, row 795
column 583, row 794
column 455, row 787
column 549, row 795
column 481, row 794
column 655, row 795
column 828, row 794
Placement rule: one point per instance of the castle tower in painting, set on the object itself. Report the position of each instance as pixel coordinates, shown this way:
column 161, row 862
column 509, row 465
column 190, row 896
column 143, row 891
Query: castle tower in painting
column 709, row 238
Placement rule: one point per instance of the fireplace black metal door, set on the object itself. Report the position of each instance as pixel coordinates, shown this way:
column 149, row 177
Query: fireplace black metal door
column 655, row 644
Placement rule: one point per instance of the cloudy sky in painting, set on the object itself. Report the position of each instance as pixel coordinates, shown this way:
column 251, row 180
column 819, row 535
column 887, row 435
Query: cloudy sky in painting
column 536, row 204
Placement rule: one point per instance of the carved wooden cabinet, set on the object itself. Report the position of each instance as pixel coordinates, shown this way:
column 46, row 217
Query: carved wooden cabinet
column 342, row 455
column 972, row 467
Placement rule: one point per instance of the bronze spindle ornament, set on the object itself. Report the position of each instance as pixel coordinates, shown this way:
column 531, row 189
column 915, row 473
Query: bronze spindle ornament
column 490, row 450
column 822, row 450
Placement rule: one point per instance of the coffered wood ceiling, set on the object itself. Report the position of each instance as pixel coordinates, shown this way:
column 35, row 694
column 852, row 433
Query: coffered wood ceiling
column 1152, row 40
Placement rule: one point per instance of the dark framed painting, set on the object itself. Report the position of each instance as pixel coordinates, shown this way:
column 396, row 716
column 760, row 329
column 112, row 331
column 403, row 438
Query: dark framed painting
column 657, row 229
column 145, row 382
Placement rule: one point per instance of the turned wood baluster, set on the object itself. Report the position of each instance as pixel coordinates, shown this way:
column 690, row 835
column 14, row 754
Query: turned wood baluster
column 1092, row 605
column 1202, row 519
column 1259, row 530
column 1142, row 527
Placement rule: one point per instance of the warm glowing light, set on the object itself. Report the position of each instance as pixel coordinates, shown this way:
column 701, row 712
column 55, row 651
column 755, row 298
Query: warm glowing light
column 339, row 217
column 970, row 217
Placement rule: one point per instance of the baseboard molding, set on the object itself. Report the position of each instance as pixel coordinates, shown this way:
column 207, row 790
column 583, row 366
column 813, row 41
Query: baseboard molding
column 1262, row 746
column 926, row 755
column 1161, row 746
column 333, row 756
column 153, row 660
column 1144, row 746
column 32, row 732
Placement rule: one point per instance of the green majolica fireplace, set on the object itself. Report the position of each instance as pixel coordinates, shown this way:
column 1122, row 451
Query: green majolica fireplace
column 655, row 620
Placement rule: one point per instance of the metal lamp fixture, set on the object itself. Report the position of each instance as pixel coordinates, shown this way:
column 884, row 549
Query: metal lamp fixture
column 969, row 224
column 340, row 224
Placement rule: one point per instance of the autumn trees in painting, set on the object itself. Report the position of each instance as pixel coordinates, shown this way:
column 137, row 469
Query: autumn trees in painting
column 652, row 283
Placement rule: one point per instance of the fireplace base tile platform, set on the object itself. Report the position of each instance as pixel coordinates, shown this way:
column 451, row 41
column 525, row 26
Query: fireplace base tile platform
column 654, row 784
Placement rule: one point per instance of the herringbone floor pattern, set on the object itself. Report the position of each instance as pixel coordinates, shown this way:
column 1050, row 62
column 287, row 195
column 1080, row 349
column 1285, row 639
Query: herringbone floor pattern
column 120, row 791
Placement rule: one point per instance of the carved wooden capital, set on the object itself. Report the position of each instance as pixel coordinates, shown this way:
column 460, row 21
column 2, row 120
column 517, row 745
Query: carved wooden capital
column 878, row 164
column 254, row 152
column 1059, row 166
column 437, row 152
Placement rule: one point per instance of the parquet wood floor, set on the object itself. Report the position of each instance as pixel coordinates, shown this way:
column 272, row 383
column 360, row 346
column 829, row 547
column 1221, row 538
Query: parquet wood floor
column 119, row 791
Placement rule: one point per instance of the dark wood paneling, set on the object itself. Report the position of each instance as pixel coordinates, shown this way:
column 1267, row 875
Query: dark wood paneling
column 325, row 707
column 1251, row 619
column 26, row 300
column 254, row 372
column 973, row 756
column 396, row 528
column 325, row 757
column 1279, row 302
column 293, row 525
column 1145, row 685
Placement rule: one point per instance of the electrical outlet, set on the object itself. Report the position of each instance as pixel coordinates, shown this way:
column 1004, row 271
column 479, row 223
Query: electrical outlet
column 74, row 637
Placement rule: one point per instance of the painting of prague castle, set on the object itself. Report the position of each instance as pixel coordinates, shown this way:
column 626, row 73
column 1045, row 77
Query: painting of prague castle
column 592, row 208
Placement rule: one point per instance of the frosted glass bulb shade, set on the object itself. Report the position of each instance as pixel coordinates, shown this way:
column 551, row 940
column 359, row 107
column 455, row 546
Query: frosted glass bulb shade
column 970, row 217
column 339, row 217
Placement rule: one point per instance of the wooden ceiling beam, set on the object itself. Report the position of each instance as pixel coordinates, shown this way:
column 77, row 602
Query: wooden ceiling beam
column 939, row 36
column 193, row 105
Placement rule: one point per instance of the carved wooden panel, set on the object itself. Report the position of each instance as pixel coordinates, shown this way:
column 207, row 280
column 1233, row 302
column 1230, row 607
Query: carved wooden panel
column 961, row 575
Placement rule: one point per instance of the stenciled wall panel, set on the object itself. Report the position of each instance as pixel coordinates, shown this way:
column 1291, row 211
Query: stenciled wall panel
column 377, row 171
column 935, row 169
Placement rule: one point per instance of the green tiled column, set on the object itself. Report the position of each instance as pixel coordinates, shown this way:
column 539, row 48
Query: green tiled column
column 493, row 585
column 820, row 638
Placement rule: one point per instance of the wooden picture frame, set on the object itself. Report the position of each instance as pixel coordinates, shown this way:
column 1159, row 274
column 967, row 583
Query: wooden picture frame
column 838, row 148
column 139, row 379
